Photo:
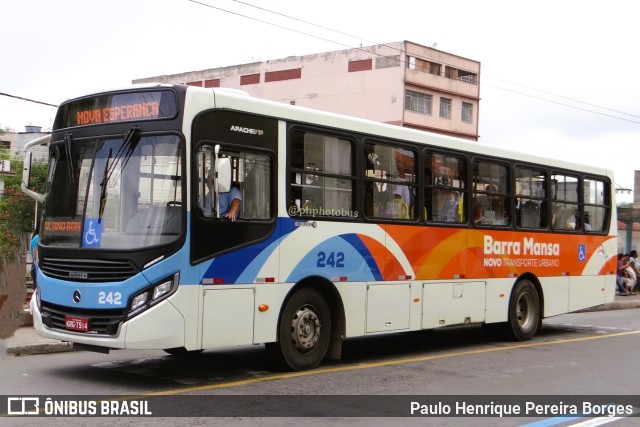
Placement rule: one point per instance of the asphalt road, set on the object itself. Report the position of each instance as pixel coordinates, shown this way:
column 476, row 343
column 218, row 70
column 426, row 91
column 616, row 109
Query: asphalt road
column 576, row 355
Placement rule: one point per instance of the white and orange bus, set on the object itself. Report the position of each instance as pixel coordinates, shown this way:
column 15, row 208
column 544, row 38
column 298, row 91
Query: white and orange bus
column 346, row 228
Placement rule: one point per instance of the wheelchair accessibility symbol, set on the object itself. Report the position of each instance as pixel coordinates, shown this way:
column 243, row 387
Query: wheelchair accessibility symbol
column 92, row 233
column 582, row 253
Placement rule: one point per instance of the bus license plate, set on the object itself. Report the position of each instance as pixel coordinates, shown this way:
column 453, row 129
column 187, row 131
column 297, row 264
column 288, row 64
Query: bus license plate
column 76, row 323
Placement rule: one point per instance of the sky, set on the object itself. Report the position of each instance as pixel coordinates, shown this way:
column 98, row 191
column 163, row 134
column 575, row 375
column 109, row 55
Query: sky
column 558, row 78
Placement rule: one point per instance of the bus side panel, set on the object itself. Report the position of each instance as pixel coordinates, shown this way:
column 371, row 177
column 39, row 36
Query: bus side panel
column 453, row 303
column 161, row 326
column 556, row 295
column 497, row 299
column 388, row 307
column 354, row 296
column 227, row 317
column 586, row 291
column 265, row 326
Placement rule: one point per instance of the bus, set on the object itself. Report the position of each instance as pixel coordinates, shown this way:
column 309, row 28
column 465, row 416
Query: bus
column 345, row 228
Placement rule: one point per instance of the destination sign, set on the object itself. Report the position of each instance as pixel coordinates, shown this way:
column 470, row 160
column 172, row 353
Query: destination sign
column 118, row 107
column 145, row 110
column 62, row 226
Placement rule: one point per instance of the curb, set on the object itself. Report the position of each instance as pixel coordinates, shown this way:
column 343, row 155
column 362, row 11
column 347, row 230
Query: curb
column 45, row 348
column 615, row 305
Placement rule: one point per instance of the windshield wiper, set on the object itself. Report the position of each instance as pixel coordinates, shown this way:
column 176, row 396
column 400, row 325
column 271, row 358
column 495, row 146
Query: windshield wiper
column 103, row 190
column 129, row 143
column 67, row 149
column 126, row 149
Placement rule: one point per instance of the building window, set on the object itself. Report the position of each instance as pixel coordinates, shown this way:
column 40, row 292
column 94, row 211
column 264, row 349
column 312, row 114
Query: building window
column 388, row 61
column 250, row 79
column 360, row 65
column 445, row 108
column 275, row 76
column 197, row 83
column 460, row 75
column 424, row 66
column 466, row 77
column 212, row 83
column 467, row 112
column 418, row 102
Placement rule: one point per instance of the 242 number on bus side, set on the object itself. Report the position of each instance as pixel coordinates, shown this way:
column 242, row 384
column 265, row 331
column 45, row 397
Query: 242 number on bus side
column 331, row 259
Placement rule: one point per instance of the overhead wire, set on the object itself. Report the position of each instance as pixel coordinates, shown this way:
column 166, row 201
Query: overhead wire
column 419, row 57
column 27, row 99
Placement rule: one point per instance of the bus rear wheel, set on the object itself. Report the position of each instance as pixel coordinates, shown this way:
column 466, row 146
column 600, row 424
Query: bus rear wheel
column 304, row 331
column 524, row 311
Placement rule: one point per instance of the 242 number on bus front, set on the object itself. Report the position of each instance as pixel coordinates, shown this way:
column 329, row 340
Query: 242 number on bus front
column 111, row 298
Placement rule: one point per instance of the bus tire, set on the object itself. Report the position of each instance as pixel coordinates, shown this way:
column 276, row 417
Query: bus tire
column 524, row 311
column 304, row 331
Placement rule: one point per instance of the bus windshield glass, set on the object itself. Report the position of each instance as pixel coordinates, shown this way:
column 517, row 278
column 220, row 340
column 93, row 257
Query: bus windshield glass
column 119, row 193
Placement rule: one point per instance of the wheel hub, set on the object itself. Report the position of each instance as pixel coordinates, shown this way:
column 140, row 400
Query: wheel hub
column 305, row 329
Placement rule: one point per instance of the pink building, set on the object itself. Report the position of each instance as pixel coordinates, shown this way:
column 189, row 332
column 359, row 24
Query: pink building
column 401, row 83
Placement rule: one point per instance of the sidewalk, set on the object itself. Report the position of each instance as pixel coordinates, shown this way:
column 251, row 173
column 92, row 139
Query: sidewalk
column 25, row 341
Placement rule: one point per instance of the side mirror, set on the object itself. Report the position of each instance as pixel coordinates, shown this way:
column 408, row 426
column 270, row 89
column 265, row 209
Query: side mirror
column 223, row 167
column 26, row 167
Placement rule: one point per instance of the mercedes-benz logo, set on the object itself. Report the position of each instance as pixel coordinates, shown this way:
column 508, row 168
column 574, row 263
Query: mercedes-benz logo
column 77, row 296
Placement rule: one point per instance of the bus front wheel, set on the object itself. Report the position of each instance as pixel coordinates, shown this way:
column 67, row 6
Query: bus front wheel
column 524, row 311
column 304, row 331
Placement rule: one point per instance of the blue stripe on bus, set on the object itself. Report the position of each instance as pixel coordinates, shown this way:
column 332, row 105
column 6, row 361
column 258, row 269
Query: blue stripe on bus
column 362, row 249
column 339, row 257
column 247, row 262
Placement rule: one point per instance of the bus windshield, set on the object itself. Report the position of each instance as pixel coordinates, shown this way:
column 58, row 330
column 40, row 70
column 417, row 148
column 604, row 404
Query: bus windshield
column 115, row 193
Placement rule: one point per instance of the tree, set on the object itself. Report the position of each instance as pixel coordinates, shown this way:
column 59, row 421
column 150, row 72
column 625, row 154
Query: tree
column 17, row 210
column 16, row 222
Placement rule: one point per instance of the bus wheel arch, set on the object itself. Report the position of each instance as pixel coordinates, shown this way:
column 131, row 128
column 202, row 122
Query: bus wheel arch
column 526, row 308
column 310, row 325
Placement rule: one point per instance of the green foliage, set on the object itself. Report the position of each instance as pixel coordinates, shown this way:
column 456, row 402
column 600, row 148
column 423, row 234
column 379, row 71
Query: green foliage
column 17, row 210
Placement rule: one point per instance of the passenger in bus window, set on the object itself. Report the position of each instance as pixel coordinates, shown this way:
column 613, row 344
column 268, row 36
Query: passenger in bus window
column 571, row 222
column 400, row 205
column 501, row 214
column 477, row 214
column 229, row 201
column 544, row 214
column 587, row 226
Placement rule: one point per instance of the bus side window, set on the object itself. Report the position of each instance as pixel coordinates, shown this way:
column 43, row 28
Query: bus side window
column 446, row 192
column 530, row 214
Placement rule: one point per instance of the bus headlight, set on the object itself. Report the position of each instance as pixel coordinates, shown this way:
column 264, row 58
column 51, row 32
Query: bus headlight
column 153, row 294
column 162, row 289
column 139, row 300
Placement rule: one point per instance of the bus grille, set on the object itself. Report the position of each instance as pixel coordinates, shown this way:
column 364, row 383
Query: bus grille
column 87, row 270
column 105, row 322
